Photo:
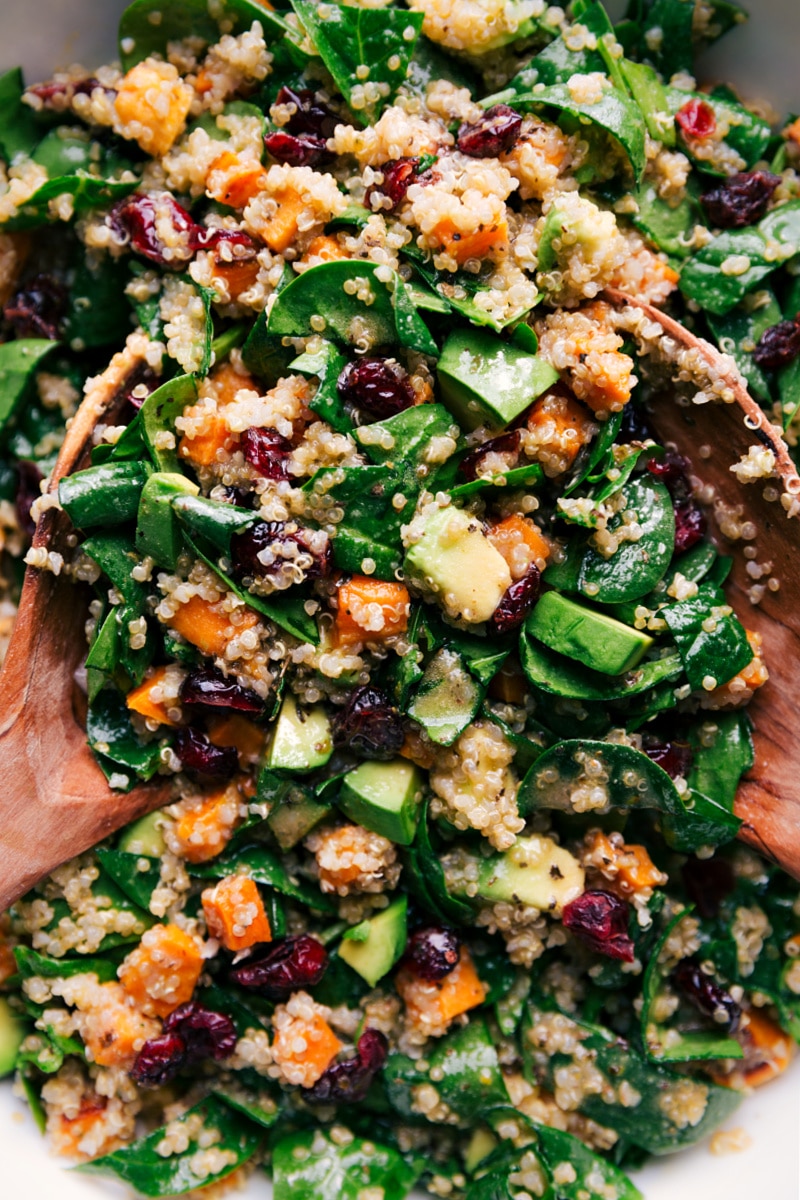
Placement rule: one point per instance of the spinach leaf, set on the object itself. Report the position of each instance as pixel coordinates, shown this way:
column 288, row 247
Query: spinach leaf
column 213, row 520
column 351, row 40
column 748, row 134
column 371, row 524
column 113, row 739
column 635, row 567
column 595, row 1176
column 97, row 308
column 116, row 555
column 262, row 866
column 157, row 415
column 465, row 1062
column 431, row 62
column 321, row 291
column 126, row 871
column 46, row 1050
column 147, row 26
column 309, row 1164
column 742, row 328
column 446, row 699
column 104, row 495
column 426, row 878
column 87, row 192
column 722, row 751
column 30, row 963
column 19, row 129
column 327, row 364
column 19, row 361
column 559, row 676
column 259, row 1107
column 668, row 36
column 669, row 227
column 717, row 291
column 150, row 1173
column 711, row 640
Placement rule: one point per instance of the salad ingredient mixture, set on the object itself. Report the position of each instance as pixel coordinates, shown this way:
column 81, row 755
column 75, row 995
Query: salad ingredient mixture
column 393, row 581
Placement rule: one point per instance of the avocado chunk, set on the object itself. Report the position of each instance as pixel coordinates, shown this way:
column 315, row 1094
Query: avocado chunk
column 535, row 871
column 447, row 698
column 301, row 738
column 144, row 837
column 11, row 1035
column 486, row 381
column 454, row 559
column 384, row 797
column 592, row 638
column 373, row 947
column 295, row 816
column 158, row 531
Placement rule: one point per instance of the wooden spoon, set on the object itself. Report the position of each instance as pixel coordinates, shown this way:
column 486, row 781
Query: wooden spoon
column 768, row 799
column 56, row 802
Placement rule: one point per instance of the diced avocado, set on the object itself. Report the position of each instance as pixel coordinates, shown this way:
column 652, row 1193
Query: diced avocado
column 455, row 559
column 592, row 638
column 301, row 738
column 144, row 837
column 11, row 1034
column 479, row 1147
column 384, row 797
column 447, row 698
column 486, row 381
column 377, row 944
column 535, row 871
column 158, row 531
column 295, row 816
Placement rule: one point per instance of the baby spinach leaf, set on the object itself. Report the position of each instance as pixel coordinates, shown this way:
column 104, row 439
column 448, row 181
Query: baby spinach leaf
column 252, row 1106
column 30, row 963
column 469, row 1080
column 712, row 644
column 742, row 328
column 426, row 878
column 157, row 415
column 311, row 1164
column 704, row 281
column 19, row 129
column 668, row 36
column 722, row 751
column 430, row 63
column 264, row 867
column 327, row 364
column 371, row 524
column 46, row 1050
column 321, row 292
column 126, row 871
column 446, row 698
column 748, row 134
column 147, row 25
column 104, row 495
column 595, row 1176
column 19, row 361
column 150, row 1173
column 212, row 520
column 116, row 555
column 87, row 192
column 362, row 46
column 114, row 741
column 97, row 308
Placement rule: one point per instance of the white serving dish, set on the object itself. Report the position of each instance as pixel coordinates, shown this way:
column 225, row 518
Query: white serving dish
column 761, row 59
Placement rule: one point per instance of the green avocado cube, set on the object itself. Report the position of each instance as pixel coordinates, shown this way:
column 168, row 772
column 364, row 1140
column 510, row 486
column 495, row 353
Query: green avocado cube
column 592, row 638
column 486, row 381
column 374, row 946
column 384, row 797
column 301, row 738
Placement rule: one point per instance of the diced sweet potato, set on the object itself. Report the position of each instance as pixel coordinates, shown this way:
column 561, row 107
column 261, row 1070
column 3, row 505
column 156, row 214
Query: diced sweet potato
column 369, row 610
column 418, row 751
column 792, row 132
column 235, row 913
column 234, row 182
column 234, row 730
column 206, row 627
column 281, row 229
column 162, row 972
column 325, row 249
column 89, row 1126
column 115, row 1029
column 202, row 449
column 141, row 700
column 152, row 104
column 462, row 246
column 558, row 426
column 304, row 1047
column 521, row 544
column 626, row 868
column 205, row 826
column 432, row 1006
column 239, row 277
column 767, row 1046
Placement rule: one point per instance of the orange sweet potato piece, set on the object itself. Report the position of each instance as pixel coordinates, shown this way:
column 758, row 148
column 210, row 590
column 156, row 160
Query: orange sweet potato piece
column 628, row 866
column 141, row 701
column 234, row 182
column 484, row 240
column 228, row 382
column 207, row 628
column 204, row 829
column 203, row 448
column 509, row 535
column 767, row 1047
column 321, row 1047
column 281, row 228
column 325, row 248
column 370, row 609
column 435, row 1005
column 115, row 1030
column 235, row 913
column 153, row 100
column 162, row 972
column 239, row 277
column 235, row 730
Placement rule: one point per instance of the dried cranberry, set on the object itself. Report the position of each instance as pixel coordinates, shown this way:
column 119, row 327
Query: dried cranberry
column 477, row 463
column 493, row 134
column 690, row 525
column 696, row 119
column 432, row 952
column 159, row 1060
column 143, row 220
column 37, row 309
column 230, row 245
column 288, row 965
column 705, row 994
column 298, row 149
column 28, row 479
column 635, row 426
column 369, row 725
column 205, row 1033
column 265, row 546
column 57, row 95
column 708, row 881
column 212, row 690
column 778, row 346
column 398, row 175
column 671, row 469
column 740, row 199
column 200, row 755
column 600, row 920
column 310, row 114
column 673, row 757
column 379, row 386
column 268, row 451
column 348, row 1082
column 516, row 602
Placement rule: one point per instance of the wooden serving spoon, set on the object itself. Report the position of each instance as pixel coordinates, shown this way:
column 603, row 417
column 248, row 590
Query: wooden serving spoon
column 55, row 801
column 768, row 799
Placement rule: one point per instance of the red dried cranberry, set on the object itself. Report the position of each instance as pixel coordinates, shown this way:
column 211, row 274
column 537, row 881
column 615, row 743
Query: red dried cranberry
column 671, row 469
column 398, row 175
column 230, row 245
column 263, row 548
column 136, row 218
column 778, row 346
column 708, row 881
column 600, row 920
column 493, row 134
column 311, row 115
column 378, row 386
column 475, row 464
column 369, row 725
column 199, row 755
column 696, row 119
column 57, row 95
column 740, row 199
column 348, row 1082
column 159, row 1060
column 205, row 1033
column 37, row 309
column 690, row 525
column 516, row 602
column 298, row 149
column 28, row 479
column 268, row 451
column 212, row 690
column 705, row 994
column 673, row 757
column 288, row 965
column 432, row 953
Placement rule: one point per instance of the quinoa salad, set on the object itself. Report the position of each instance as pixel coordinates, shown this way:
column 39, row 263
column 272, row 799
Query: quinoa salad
column 395, row 593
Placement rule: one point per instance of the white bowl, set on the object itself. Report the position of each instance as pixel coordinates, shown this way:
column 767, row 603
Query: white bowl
column 761, row 59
